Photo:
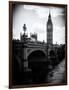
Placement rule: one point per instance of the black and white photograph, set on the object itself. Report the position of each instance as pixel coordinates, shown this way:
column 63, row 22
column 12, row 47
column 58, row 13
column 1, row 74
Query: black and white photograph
column 38, row 44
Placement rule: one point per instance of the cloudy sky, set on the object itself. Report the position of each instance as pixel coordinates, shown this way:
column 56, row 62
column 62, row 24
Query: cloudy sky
column 35, row 18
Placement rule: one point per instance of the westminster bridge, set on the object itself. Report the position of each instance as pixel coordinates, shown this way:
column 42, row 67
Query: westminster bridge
column 33, row 58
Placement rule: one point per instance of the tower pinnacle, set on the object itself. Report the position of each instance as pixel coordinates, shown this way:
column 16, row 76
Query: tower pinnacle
column 49, row 17
column 49, row 30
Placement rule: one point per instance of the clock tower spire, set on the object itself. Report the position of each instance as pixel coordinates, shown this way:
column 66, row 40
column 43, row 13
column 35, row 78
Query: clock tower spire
column 49, row 30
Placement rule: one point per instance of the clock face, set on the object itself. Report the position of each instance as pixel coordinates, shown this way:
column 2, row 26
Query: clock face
column 49, row 26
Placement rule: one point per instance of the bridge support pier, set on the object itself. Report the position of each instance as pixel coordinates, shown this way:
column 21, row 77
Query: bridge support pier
column 25, row 64
column 24, row 58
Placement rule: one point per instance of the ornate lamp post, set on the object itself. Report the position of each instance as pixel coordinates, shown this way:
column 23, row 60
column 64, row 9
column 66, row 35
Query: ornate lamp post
column 24, row 28
column 24, row 37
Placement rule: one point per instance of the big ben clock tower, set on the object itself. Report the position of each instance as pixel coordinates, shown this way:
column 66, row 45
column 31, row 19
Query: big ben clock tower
column 49, row 30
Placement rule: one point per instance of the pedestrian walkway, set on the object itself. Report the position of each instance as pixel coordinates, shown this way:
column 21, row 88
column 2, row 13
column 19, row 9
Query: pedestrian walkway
column 57, row 75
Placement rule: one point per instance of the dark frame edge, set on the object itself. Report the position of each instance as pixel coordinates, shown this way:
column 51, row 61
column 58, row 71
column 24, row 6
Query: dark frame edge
column 39, row 85
column 10, row 44
column 66, row 45
column 37, row 3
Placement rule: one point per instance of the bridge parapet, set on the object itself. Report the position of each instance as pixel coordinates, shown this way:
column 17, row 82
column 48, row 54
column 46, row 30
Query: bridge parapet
column 36, row 45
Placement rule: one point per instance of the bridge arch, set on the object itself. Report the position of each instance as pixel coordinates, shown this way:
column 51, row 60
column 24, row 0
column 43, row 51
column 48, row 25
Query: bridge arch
column 36, row 50
column 52, row 52
column 36, row 59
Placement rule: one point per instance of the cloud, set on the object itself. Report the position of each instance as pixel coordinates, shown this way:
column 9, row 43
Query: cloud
column 16, row 34
column 36, row 18
column 59, row 35
column 44, row 11
column 39, row 28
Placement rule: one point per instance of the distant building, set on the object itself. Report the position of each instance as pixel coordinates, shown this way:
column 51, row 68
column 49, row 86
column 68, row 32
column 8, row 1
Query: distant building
column 49, row 30
column 33, row 36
